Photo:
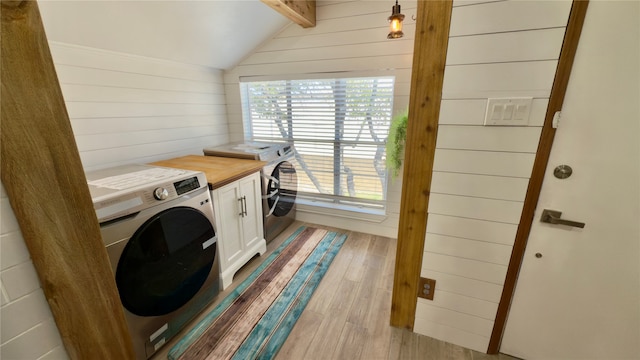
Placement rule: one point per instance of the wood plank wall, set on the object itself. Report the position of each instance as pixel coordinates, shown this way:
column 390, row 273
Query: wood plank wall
column 348, row 36
column 28, row 328
column 481, row 174
column 123, row 109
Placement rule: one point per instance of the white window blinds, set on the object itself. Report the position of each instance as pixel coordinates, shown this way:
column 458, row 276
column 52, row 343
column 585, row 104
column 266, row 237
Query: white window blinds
column 338, row 127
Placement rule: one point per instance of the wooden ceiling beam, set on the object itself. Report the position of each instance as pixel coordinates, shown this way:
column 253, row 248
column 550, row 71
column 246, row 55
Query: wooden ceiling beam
column 301, row 12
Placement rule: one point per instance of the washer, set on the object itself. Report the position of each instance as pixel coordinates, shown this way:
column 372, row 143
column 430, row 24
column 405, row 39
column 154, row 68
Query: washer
column 279, row 180
column 157, row 226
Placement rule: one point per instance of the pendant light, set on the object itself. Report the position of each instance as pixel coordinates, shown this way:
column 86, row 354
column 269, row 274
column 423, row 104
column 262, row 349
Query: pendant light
column 395, row 22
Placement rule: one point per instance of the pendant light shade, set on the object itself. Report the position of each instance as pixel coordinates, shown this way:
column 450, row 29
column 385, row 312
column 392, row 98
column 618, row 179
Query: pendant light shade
column 395, row 22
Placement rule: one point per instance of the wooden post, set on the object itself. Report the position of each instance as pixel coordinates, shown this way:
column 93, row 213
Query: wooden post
column 429, row 60
column 45, row 181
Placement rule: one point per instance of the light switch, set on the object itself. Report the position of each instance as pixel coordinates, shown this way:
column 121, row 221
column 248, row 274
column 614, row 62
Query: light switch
column 522, row 113
column 497, row 112
column 508, row 112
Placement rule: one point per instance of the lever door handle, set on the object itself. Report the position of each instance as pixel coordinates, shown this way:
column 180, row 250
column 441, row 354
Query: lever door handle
column 553, row 217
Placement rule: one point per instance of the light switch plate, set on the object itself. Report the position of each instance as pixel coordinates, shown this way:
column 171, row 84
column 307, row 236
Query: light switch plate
column 508, row 112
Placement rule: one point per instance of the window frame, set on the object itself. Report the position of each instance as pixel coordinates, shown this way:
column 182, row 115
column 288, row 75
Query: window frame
column 330, row 201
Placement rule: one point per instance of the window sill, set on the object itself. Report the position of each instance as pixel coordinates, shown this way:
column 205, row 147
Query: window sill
column 343, row 211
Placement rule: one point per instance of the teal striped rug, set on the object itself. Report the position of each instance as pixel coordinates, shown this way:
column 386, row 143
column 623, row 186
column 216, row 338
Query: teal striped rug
column 254, row 320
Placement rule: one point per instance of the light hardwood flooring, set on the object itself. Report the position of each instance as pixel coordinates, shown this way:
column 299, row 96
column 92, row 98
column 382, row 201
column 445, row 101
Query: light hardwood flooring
column 348, row 314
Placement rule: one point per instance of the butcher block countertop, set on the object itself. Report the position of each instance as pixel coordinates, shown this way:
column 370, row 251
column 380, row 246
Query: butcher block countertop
column 219, row 170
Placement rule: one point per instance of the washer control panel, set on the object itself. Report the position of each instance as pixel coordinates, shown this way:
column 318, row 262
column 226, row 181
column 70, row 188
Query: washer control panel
column 127, row 193
column 160, row 193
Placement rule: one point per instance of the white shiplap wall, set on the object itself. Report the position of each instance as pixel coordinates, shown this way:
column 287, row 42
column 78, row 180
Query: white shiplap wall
column 481, row 174
column 123, row 109
column 130, row 109
column 349, row 36
column 28, row 330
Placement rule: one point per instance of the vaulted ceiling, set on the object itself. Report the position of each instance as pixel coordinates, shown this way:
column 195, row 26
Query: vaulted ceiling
column 213, row 33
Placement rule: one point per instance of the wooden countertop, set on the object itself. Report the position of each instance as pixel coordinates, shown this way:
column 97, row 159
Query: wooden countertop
column 219, row 170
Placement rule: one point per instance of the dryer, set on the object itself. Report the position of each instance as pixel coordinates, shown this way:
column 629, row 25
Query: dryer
column 157, row 226
column 279, row 180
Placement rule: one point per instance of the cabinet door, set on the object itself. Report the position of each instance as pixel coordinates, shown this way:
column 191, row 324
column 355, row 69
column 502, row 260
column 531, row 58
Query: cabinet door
column 227, row 207
column 252, row 222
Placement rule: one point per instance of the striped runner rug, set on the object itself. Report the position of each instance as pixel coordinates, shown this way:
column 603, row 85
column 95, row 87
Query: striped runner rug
column 254, row 320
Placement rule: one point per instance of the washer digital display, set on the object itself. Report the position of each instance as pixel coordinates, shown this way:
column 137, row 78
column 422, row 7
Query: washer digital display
column 187, row 185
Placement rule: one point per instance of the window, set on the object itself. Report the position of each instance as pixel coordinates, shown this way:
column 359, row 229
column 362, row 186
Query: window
column 338, row 127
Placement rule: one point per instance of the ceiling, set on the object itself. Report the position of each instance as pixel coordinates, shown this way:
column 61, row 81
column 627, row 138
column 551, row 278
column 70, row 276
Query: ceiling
column 212, row 33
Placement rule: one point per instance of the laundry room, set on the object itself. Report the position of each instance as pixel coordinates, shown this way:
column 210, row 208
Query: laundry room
column 148, row 82
column 226, row 128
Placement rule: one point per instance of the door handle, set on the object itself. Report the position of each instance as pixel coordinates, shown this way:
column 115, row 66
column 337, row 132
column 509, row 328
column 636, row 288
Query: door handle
column 553, row 217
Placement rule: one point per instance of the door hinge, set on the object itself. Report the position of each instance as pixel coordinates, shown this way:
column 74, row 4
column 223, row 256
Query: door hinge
column 556, row 119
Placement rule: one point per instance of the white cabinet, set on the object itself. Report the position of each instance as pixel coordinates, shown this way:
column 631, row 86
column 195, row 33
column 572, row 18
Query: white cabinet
column 237, row 207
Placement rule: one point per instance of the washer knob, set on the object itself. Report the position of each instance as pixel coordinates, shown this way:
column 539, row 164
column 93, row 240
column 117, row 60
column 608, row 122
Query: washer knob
column 160, row 193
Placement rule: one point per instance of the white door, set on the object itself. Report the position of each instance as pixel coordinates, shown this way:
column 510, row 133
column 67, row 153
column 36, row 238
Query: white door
column 228, row 207
column 253, row 232
column 581, row 298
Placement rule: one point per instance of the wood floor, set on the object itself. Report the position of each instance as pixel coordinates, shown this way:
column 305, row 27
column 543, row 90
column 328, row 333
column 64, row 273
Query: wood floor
column 348, row 315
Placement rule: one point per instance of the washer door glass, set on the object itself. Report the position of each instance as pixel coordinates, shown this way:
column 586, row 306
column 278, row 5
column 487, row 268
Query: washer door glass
column 166, row 262
column 282, row 189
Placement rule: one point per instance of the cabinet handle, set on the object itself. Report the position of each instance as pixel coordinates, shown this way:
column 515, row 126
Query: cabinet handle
column 244, row 202
column 241, row 207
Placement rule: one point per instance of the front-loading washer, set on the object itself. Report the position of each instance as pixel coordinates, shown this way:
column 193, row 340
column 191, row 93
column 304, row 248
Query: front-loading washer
column 279, row 180
column 157, row 226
